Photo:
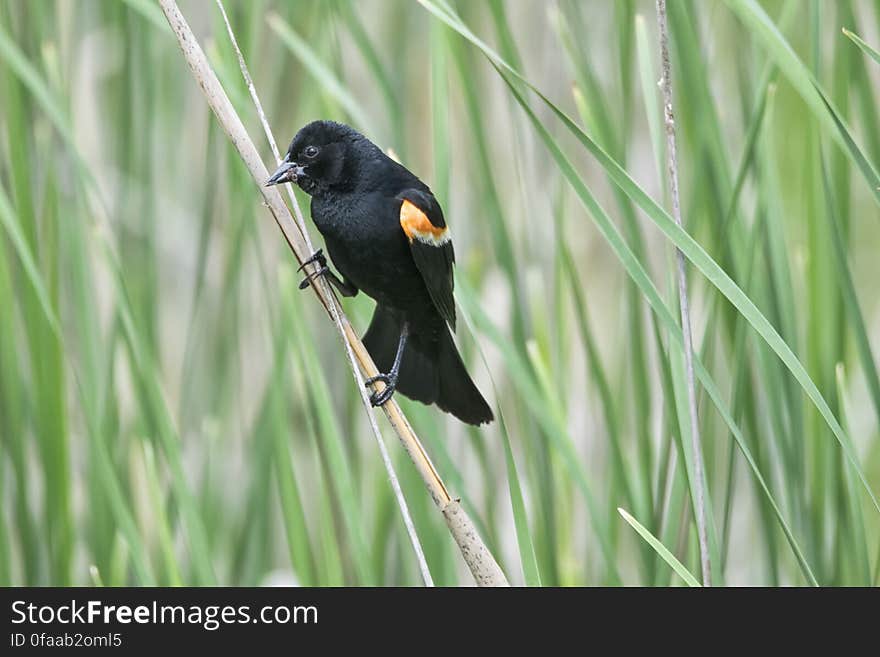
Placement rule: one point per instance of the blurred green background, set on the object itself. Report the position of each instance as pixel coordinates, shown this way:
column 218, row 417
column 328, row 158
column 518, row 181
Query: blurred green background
column 174, row 411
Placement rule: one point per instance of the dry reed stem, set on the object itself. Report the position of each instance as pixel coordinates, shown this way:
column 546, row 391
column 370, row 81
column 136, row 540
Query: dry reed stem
column 482, row 565
column 672, row 166
column 365, row 401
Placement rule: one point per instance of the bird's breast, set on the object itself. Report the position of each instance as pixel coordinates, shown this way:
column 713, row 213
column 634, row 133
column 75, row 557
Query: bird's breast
column 367, row 245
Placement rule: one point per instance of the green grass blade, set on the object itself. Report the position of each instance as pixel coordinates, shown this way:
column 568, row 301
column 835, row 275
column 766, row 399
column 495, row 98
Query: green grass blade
column 851, row 300
column 779, row 50
column 152, row 338
column 28, row 263
column 319, row 70
column 529, row 561
column 691, row 249
column 330, row 434
column 635, row 270
column 157, row 503
column 868, row 50
column 855, row 555
column 541, row 400
column 153, row 398
column 648, row 78
column 105, row 469
column 661, row 550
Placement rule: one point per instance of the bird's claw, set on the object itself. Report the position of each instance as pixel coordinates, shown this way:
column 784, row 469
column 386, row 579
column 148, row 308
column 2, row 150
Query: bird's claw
column 380, row 397
column 316, row 257
column 308, row 280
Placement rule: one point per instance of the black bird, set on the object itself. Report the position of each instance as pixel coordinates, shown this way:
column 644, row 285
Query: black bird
column 385, row 233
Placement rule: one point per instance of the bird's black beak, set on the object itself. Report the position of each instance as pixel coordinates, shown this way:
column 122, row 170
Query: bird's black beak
column 287, row 172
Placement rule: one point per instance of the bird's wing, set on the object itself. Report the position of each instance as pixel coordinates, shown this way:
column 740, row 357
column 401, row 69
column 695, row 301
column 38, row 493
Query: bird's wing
column 431, row 244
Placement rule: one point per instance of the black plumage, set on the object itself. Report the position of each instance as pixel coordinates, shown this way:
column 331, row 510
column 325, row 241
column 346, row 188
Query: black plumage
column 386, row 235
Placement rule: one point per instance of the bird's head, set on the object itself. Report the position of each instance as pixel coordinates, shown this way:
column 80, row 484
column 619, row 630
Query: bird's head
column 320, row 157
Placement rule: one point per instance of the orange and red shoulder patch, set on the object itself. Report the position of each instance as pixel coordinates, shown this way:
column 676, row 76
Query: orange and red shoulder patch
column 417, row 226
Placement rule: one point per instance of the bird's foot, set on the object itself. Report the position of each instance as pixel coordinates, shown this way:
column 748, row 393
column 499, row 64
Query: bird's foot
column 380, row 397
column 316, row 257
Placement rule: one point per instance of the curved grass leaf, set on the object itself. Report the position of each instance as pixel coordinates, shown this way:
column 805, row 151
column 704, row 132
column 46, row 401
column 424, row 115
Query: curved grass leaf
column 640, row 276
column 28, row 262
column 660, row 549
column 677, row 235
column 531, row 573
column 868, row 50
column 636, row 271
column 528, row 558
column 805, row 83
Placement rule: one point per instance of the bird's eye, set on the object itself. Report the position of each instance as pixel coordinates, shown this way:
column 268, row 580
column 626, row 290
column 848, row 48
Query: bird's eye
column 311, row 151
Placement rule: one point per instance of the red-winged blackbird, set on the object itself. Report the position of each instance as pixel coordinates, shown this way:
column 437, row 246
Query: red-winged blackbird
column 385, row 233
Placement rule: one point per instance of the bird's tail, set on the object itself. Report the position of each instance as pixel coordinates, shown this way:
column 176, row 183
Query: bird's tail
column 431, row 370
column 457, row 393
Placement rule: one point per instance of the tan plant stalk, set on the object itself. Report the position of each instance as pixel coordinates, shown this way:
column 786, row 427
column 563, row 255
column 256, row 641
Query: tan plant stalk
column 383, row 450
column 672, row 167
column 480, row 561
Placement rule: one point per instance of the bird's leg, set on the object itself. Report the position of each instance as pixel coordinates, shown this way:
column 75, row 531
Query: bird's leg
column 345, row 288
column 390, row 379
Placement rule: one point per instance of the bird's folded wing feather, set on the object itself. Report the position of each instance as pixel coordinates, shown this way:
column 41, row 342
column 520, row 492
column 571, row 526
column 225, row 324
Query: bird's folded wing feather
column 430, row 242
